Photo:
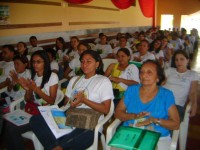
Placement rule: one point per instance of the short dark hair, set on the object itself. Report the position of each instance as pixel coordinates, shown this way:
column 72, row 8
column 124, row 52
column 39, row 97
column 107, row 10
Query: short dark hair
column 85, row 44
column 32, row 37
column 22, row 58
column 52, row 52
column 124, row 50
column 159, row 70
column 10, row 48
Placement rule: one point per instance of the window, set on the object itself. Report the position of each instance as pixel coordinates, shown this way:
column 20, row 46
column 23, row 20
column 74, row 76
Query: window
column 167, row 22
column 194, row 21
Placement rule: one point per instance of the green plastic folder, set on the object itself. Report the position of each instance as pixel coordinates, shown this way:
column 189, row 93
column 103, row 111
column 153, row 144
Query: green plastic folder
column 131, row 138
column 138, row 64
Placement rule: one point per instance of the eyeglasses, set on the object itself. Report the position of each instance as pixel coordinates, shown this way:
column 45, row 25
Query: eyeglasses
column 37, row 61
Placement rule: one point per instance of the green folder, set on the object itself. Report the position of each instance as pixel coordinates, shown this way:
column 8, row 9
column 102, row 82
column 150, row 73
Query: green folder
column 131, row 138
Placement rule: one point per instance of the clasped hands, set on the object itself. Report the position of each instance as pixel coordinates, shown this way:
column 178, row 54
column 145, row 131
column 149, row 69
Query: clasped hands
column 27, row 84
column 147, row 121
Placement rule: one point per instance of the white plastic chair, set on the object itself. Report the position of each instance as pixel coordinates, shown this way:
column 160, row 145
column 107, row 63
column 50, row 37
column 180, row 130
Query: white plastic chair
column 92, row 45
column 3, row 90
column 107, row 62
column 94, row 146
column 30, row 135
column 112, row 128
column 184, row 128
column 61, row 81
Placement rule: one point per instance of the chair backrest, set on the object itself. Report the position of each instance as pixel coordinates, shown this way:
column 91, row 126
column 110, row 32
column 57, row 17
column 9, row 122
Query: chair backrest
column 92, row 45
column 59, row 97
column 16, row 104
column 61, row 81
column 107, row 62
column 94, row 146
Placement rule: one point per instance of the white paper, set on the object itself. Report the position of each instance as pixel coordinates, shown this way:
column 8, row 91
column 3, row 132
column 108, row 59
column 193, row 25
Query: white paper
column 47, row 115
column 18, row 117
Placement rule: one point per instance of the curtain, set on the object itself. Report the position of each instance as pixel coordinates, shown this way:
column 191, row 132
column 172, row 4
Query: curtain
column 122, row 4
column 148, row 9
column 78, row 1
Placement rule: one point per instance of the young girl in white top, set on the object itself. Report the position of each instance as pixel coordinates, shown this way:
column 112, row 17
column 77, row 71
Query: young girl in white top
column 15, row 91
column 155, row 49
column 183, row 82
column 70, row 53
column 74, row 66
column 41, row 89
column 53, row 63
column 143, row 53
column 103, row 48
column 60, row 48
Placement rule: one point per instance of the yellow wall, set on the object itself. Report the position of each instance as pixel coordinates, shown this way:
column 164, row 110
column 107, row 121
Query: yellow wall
column 177, row 8
column 34, row 13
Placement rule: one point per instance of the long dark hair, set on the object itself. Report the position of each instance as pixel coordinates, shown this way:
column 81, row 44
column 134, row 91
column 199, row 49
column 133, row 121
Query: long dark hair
column 26, row 49
column 173, row 64
column 159, row 70
column 97, row 57
column 47, row 69
column 63, row 43
column 71, row 48
column 151, row 49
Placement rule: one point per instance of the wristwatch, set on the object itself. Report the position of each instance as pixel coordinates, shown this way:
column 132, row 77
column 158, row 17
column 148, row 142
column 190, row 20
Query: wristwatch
column 157, row 122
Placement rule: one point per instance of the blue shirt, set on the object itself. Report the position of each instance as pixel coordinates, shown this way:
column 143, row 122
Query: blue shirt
column 158, row 107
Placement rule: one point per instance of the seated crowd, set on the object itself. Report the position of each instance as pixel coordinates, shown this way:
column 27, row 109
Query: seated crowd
column 155, row 93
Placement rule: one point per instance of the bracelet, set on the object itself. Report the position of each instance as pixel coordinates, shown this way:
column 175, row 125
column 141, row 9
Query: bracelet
column 158, row 122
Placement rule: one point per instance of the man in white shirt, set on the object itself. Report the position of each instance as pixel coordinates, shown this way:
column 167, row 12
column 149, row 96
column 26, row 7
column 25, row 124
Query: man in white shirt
column 33, row 41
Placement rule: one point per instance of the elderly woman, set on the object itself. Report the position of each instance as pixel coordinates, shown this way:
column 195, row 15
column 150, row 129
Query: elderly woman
column 149, row 105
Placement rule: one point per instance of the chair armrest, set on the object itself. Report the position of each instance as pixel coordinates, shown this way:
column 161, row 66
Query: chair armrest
column 59, row 97
column 16, row 104
column 174, row 140
column 102, row 122
column 188, row 108
column 61, row 81
column 110, row 132
column 3, row 89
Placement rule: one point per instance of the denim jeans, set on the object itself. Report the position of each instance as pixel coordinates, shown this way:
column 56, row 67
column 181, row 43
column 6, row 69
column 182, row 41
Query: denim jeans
column 78, row 139
column 14, row 140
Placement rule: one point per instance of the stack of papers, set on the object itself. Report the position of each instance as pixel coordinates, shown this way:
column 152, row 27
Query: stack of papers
column 46, row 112
column 18, row 117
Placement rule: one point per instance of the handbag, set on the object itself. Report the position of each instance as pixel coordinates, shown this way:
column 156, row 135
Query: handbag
column 32, row 108
column 84, row 118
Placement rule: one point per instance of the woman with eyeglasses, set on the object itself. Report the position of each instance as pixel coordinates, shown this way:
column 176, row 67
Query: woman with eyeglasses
column 41, row 89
